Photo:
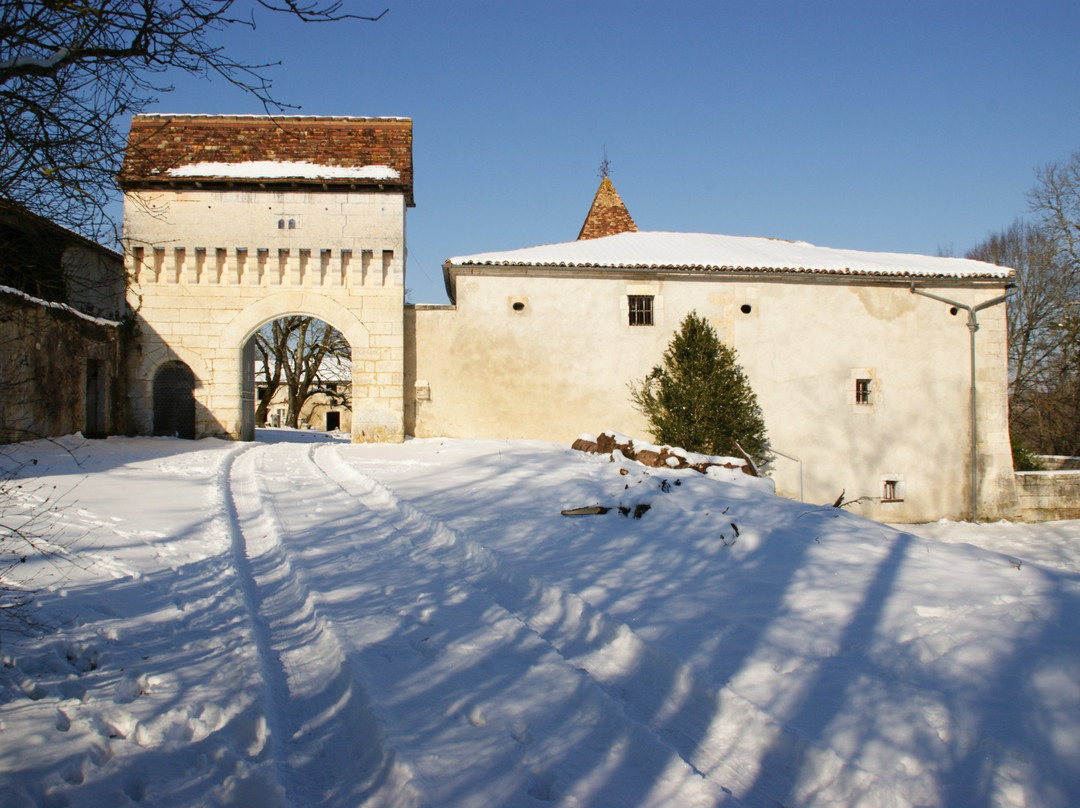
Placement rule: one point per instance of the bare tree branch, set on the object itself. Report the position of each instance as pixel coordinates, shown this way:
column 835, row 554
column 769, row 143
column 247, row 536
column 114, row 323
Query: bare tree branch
column 72, row 73
column 298, row 353
column 1044, row 317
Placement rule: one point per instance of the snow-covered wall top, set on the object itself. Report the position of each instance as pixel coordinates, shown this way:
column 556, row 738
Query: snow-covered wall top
column 708, row 252
column 51, row 304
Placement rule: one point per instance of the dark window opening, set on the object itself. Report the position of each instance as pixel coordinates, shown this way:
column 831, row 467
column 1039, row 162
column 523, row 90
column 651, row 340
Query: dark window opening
column 95, row 425
column 519, row 306
column 862, row 391
column 333, row 421
column 746, row 308
column 641, row 309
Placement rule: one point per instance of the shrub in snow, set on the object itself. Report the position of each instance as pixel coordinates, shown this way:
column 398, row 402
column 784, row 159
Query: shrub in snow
column 699, row 398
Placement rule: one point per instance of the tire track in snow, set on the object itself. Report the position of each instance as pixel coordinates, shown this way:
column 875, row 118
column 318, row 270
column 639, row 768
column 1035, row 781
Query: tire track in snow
column 324, row 739
column 475, row 677
column 650, row 688
column 653, row 688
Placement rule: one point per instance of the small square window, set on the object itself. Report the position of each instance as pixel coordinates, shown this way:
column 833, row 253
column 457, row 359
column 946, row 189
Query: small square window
column 641, row 309
column 891, row 491
column 862, row 391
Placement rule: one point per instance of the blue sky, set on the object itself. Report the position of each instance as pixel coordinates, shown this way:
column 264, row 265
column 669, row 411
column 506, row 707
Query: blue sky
column 876, row 125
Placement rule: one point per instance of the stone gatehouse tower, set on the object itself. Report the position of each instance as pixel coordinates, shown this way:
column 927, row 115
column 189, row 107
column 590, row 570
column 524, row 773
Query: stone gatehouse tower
column 234, row 221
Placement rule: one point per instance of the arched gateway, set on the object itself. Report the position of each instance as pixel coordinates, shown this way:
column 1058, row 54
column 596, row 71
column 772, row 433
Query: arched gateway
column 233, row 221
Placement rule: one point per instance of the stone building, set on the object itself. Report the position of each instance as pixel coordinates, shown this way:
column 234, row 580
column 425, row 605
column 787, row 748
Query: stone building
column 234, row 221
column 62, row 342
column 863, row 379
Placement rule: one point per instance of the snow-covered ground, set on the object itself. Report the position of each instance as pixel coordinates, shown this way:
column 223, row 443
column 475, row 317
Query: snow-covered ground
column 304, row 623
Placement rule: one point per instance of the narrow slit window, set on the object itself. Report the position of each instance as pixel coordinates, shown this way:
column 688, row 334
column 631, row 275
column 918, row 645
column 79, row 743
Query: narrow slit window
column 641, row 309
column 862, row 391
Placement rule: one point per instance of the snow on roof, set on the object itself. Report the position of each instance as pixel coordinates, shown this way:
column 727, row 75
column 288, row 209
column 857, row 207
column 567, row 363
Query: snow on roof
column 717, row 253
column 176, row 150
column 285, row 169
column 51, row 304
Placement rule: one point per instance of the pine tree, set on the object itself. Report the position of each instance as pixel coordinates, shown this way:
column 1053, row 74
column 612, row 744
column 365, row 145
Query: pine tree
column 699, row 398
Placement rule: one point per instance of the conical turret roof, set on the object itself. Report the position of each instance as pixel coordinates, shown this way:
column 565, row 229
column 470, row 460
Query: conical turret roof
column 608, row 215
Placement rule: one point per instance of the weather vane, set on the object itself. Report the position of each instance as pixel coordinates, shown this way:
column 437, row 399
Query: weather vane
column 605, row 165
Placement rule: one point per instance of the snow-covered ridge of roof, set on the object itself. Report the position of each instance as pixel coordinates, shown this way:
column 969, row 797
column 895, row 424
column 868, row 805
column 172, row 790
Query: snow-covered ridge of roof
column 62, row 306
column 718, row 253
column 257, row 116
column 271, row 169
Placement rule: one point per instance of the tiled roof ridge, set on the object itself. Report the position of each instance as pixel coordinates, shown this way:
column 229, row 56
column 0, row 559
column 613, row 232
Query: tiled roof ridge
column 245, row 117
column 608, row 215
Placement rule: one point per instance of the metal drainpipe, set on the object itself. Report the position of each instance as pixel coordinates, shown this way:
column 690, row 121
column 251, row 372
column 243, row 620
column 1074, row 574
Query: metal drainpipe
column 973, row 326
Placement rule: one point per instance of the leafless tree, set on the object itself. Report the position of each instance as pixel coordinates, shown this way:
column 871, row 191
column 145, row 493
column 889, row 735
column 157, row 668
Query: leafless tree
column 305, row 356
column 1044, row 315
column 1040, row 302
column 72, row 73
column 1055, row 200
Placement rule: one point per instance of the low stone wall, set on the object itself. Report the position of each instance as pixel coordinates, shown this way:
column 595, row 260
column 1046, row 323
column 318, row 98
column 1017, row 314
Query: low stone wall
column 1060, row 462
column 1046, row 495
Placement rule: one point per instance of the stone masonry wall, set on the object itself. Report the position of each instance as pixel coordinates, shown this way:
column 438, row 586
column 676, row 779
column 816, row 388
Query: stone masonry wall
column 209, row 268
column 1046, row 495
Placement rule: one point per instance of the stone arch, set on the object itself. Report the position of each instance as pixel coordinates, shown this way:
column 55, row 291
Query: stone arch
column 174, row 400
column 240, row 332
column 151, row 359
column 282, row 304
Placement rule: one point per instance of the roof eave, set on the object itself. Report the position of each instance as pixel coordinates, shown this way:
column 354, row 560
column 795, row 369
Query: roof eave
column 1004, row 276
column 292, row 183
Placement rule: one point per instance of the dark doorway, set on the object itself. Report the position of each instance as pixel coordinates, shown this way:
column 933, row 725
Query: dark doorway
column 94, row 424
column 333, row 421
column 174, row 401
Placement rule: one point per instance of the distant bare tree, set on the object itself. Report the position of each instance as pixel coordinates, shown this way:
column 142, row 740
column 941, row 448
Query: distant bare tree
column 72, row 73
column 1036, row 311
column 1044, row 315
column 1055, row 200
column 300, row 354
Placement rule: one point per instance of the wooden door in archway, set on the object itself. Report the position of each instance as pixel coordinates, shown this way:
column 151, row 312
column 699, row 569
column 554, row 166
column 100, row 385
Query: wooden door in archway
column 174, row 401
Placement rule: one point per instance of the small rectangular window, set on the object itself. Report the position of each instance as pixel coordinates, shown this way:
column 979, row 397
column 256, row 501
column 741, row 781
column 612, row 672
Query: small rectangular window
column 641, row 309
column 891, row 491
column 862, row 391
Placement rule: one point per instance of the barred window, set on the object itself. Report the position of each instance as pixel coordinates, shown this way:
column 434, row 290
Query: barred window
column 891, row 491
column 862, row 391
column 641, row 310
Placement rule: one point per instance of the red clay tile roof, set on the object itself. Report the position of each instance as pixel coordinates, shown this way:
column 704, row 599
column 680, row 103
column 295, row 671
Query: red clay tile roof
column 159, row 144
column 608, row 215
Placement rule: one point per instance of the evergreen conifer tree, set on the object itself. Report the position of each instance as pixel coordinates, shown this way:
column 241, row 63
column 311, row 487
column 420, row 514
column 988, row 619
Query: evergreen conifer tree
column 699, row 398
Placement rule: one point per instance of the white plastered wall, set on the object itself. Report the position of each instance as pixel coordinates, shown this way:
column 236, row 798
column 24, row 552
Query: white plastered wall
column 559, row 363
column 210, row 267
